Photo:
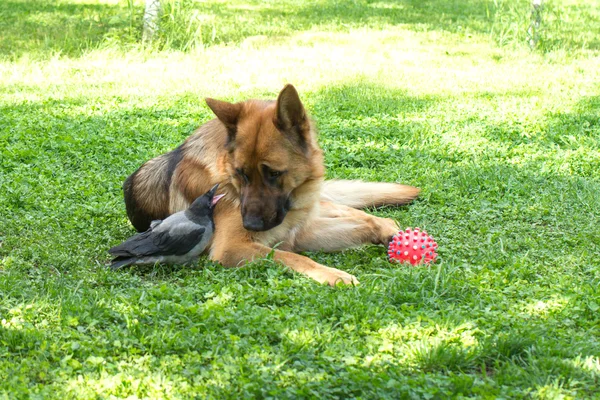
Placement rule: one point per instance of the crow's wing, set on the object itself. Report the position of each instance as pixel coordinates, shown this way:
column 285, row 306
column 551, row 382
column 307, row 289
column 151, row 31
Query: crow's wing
column 158, row 243
column 128, row 247
column 179, row 244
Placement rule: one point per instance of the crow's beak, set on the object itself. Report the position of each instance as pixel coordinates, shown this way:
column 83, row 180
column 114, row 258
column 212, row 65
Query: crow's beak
column 211, row 193
column 216, row 199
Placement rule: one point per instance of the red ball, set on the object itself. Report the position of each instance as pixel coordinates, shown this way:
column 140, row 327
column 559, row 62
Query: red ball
column 413, row 246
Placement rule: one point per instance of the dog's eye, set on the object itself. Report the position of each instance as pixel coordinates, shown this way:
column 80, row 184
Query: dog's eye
column 240, row 172
column 270, row 174
column 274, row 174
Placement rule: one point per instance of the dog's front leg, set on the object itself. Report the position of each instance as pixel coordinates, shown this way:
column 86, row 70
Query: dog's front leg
column 236, row 254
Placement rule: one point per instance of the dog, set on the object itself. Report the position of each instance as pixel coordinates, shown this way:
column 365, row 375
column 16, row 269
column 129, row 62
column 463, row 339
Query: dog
column 265, row 157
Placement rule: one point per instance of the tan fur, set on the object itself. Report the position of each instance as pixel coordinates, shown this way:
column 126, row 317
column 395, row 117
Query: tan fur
column 359, row 194
column 188, row 179
column 152, row 200
column 256, row 137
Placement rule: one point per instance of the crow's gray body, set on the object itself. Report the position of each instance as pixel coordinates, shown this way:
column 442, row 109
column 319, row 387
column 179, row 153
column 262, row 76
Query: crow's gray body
column 181, row 238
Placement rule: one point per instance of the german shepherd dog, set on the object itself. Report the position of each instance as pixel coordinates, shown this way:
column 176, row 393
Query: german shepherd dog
column 265, row 156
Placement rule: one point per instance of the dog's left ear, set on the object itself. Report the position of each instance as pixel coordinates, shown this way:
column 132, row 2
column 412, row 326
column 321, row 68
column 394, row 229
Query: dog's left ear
column 291, row 118
column 228, row 114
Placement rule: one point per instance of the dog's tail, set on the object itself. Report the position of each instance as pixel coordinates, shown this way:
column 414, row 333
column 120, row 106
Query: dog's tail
column 359, row 194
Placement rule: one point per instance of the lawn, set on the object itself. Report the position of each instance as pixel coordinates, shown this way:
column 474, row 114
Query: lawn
column 445, row 95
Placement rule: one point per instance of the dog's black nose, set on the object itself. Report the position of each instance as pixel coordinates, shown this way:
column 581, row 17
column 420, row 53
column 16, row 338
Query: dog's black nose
column 254, row 224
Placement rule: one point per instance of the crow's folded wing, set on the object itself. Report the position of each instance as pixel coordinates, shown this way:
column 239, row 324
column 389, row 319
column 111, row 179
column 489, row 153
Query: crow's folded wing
column 179, row 244
column 159, row 243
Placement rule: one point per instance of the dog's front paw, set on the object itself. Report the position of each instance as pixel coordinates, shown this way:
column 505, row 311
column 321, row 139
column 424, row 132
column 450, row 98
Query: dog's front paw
column 342, row 277
column 333, row 276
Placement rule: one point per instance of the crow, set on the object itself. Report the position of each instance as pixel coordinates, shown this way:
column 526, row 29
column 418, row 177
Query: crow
column 178, row 239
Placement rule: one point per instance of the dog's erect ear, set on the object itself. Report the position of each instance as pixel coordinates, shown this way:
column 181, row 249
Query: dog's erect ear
column 290, row 117
column 228, row 114
column 290, row 111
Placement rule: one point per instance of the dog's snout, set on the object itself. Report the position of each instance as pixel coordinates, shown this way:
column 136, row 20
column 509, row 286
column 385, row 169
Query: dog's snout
column 254, row 223
column 262, row 208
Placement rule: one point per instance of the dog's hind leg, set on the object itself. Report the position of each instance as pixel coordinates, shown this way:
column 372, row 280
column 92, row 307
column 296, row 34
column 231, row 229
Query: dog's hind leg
column 359, row 194
column 338, row 227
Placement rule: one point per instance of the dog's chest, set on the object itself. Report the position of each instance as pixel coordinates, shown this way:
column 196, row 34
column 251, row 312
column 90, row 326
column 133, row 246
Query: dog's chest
column 285, row 233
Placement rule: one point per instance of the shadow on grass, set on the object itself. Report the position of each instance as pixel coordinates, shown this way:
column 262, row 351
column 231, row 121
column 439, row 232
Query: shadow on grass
column 70, row 28
column 256, row 332
column 56, row 160
column 259, row 334
column 288, row 17
column 35, row 26
column 63, row 27
column 503, row 22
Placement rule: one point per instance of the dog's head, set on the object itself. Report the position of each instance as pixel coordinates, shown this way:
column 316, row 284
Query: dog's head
column 272, row 153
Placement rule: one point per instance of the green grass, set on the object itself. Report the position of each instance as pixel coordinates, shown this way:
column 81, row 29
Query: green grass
column 504, row 142
column 42, row 29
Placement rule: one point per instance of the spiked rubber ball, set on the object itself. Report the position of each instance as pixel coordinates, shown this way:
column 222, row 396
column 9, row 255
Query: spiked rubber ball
column 412, row 246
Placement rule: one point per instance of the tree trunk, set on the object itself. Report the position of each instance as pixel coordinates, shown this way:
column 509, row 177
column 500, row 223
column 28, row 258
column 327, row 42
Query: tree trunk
column 151, row 15
column 533, row 32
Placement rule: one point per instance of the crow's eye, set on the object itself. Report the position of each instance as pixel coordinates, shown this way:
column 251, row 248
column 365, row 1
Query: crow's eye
column 240, row 172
